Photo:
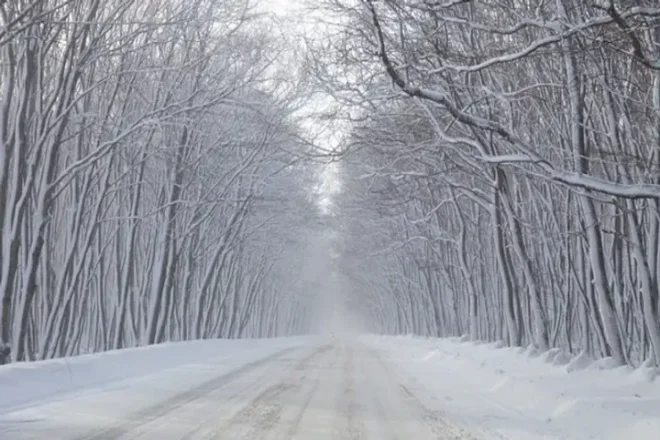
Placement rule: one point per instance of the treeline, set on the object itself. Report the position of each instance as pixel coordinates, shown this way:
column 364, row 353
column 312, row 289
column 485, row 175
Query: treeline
column 503, row 169
column 145, row 148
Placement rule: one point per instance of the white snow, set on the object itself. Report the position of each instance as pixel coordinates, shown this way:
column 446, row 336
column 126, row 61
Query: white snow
column 473, row 390
column 514, row 393
column 30, row 383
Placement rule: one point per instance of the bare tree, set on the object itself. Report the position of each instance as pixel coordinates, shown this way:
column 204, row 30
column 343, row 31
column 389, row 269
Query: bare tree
column 513, row 149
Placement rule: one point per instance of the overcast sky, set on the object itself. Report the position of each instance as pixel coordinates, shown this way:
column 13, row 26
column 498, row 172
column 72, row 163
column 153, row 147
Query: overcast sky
column 326, row 137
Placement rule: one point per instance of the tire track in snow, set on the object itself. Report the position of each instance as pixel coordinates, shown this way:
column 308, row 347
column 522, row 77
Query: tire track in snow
column 294, row 425
column 374, row 393
column 347, row 406
column 434, row 420
column 152, row 413
column 324, row 395
column 263, row 413
column 236, row 395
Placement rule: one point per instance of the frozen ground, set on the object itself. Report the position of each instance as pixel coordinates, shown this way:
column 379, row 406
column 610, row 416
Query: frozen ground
column 507, row 393
column 380, row 388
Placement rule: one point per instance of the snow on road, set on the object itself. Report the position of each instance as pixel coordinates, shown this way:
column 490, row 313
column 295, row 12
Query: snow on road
column 303, row 388
column 319, row 390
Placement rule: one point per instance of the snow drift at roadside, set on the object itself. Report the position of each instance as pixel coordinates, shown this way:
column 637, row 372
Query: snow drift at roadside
column 516, row 393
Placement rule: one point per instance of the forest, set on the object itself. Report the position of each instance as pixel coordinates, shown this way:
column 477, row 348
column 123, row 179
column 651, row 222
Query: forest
column 498, row 165
column 151, row 185
column 504, row 169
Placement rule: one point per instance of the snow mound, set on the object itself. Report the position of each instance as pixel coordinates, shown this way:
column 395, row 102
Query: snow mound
column 606, row 363
column 556, row 357
column 645, row 373
column 581, row 362
column 531, row 351
column 550, row 355
column 522, row 394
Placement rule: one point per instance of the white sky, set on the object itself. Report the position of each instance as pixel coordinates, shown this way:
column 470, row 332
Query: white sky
column 281, row 7
column 295, row 20
column 329, row 185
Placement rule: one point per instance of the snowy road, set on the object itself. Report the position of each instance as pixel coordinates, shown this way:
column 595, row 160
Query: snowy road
column 326, row 390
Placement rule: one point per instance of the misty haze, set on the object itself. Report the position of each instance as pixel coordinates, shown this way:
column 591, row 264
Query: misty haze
column 329, row 219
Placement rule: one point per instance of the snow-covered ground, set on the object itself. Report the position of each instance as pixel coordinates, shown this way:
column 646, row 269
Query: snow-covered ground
column 315, row 388
column 309, row 388
column 26, row 383
column 508, row 393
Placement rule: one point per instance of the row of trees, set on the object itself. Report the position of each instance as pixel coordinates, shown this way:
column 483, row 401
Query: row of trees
column 151, row 186
column 503, row 168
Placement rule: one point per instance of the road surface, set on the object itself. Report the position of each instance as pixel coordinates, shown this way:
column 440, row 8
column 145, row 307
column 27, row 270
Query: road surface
column 331, row 390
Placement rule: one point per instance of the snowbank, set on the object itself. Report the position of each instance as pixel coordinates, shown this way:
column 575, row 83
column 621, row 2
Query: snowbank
column 22, row 384
column 515, row 393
